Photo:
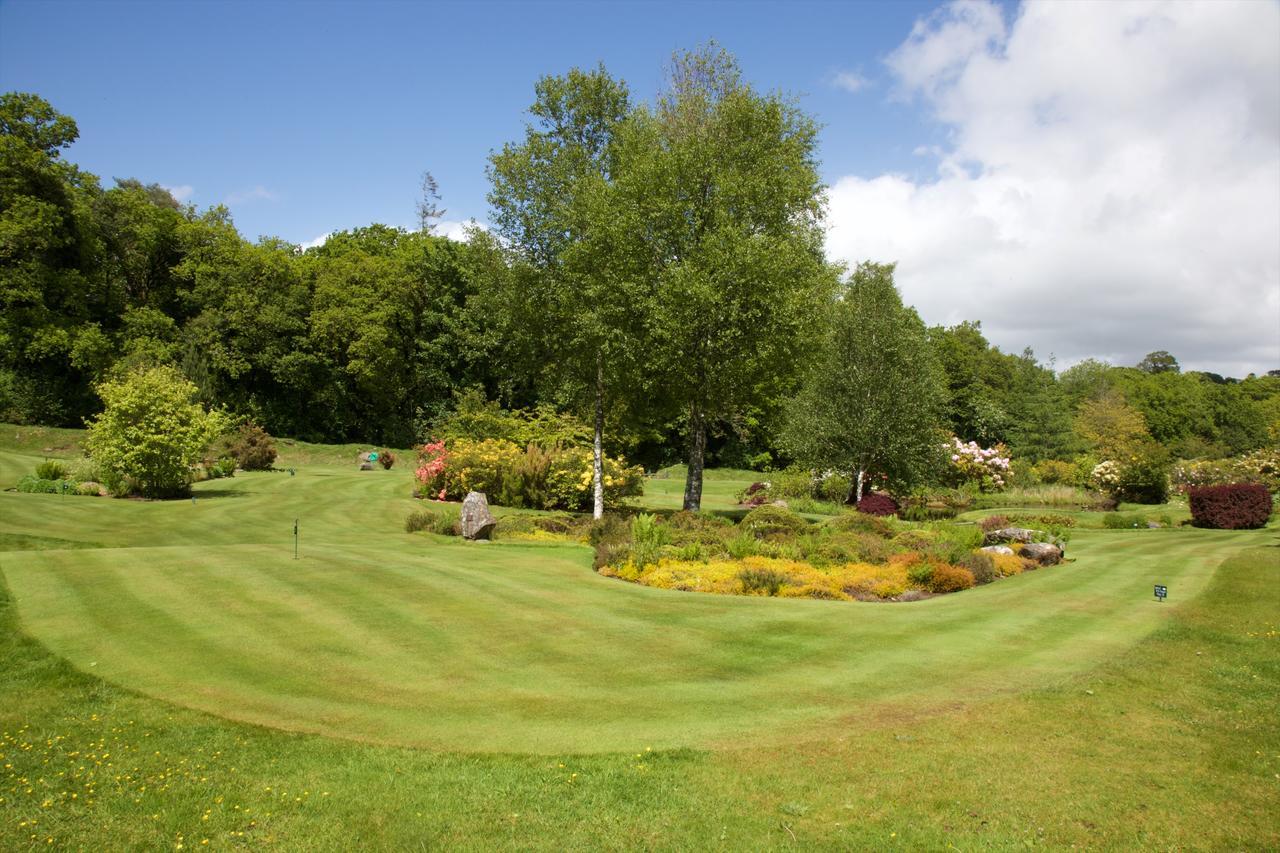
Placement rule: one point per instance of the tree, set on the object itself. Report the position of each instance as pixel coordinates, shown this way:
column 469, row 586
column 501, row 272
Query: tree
column 428, row 207
column 1111, row 426
column 151, row 432
column 1159, row 361
column 719, row 209
column 874, row 396
column 553, row 200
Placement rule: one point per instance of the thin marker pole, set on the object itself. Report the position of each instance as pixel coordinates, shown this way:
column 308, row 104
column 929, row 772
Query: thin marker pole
column 295, row 539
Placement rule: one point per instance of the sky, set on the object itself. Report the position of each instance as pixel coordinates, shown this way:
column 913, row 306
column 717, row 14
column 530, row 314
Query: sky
column 1088, row 179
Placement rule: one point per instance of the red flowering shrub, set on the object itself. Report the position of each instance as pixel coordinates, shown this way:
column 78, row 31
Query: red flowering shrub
column 877, row 503
column 1235, row 506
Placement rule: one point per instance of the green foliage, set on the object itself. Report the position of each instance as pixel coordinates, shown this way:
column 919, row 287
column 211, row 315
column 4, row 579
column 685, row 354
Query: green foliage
column 445, row 521
column 151, row 433
column 36, row 485
column 768, row 521
column 647, row 538
column 51, row 469
column 476, row 418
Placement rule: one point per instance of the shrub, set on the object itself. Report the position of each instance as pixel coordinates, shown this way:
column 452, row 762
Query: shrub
column 833, row 487
column 877, row 503
column 647, row 538
column 794, row 482
column 1120, row 521
column 620, row 479
column 1007, row 565
column 1234, row 506
column 920, row 574
column 742, row 546
column 386, row 459
column 151, row 433
column 51, row 469
column 949, row 578
column 446, row 521
column 757, row 580
column 1055, row 471
column 980, row 565
column 860, row 522
column 993, row 522
column 88, row 488
column 31, row 484
column 253, row 448
column 219, row 468
column 766, row 522
column 985, row 467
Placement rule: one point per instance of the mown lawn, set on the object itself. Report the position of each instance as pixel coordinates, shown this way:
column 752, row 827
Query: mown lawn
column 505, row 695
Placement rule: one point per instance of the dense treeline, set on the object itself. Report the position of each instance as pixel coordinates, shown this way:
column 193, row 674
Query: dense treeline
column 657, row 270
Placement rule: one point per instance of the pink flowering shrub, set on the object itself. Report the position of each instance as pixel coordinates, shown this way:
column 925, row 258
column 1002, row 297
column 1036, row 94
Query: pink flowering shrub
column 433, row 459
column 988, row 467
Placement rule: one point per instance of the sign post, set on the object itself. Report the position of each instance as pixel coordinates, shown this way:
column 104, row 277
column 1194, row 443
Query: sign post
column 1162, row 592
column 295, row 539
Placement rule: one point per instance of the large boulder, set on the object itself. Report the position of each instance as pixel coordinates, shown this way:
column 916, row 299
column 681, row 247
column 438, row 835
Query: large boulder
column 1009, row 534
column 1042, row 552
column 998, row 549
column 477, row 522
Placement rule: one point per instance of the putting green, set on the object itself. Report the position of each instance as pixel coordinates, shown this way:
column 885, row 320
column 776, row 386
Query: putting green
column 378, row 635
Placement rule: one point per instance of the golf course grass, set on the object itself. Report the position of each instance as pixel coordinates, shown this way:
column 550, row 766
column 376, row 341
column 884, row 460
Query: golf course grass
column 176, row 669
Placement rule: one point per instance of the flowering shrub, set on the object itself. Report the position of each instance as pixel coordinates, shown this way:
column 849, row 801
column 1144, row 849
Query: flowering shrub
column 1142, row 478
column 988, row 467
column 536, row 478
column 1259, row 466
column 1055, row 471
column 1234, row 506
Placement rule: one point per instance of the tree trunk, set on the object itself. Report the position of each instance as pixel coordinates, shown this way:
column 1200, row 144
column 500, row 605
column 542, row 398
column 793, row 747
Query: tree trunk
column 597, row 460
column 855, row 488
column 697, row 454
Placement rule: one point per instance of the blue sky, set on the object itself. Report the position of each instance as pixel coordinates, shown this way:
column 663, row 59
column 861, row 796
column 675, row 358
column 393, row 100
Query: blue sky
column 1096, row 178
column 305, row 117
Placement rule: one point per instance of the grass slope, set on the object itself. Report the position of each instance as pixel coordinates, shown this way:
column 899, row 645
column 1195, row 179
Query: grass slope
column 383, row 636
column 1170, row 745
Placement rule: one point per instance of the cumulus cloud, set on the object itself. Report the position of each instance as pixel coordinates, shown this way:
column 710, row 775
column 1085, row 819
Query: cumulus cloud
column 180, row 193
column 1111, row 184
column 258, row 193
column 456, row 230
column 318, row 241
column 850, row 81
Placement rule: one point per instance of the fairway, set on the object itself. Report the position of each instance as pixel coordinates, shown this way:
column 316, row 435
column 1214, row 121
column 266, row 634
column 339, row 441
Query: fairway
column 382, row 636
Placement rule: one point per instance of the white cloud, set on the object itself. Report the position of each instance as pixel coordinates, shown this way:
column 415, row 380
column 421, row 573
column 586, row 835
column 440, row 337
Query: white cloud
column 1111, row 185
column 457, row 230
column 850, row 81
column 258, row 193
column 181, row 193
column 318, row 241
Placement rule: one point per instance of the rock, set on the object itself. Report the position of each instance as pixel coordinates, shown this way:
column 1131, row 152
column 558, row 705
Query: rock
column 1154, row 525
column 477, row 522
column 366, row 466
column 998, row 549
column 1009, row 534
column 1043, row 553
column 780, row 503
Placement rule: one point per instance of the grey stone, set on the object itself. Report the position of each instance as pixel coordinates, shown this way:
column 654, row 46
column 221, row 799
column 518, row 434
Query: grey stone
column 998, row 549
column 1009, row 534
column 1043, row 553
column 476, row 522
column 1154, row 525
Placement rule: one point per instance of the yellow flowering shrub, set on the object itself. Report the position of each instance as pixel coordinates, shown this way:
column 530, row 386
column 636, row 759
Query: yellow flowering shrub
column 1007, row 564
column 796, row 579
